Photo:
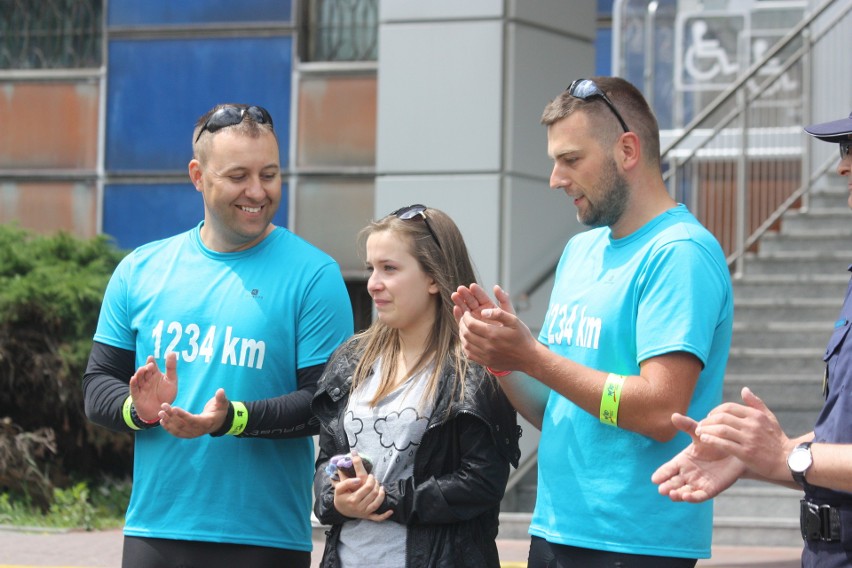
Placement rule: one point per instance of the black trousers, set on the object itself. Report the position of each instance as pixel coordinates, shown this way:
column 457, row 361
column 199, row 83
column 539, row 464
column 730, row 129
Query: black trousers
column 544, row 554
column 164, row 553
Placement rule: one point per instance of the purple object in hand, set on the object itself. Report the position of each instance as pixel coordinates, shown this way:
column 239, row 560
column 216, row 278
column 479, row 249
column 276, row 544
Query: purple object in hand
column 343, row 462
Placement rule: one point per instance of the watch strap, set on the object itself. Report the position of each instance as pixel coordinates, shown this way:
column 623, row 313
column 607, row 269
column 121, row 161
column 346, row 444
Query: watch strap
column 799, row 476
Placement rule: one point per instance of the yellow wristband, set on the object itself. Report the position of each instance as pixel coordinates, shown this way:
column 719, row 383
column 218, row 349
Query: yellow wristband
column 240, row 419
column 611, row 398
column 125, row 413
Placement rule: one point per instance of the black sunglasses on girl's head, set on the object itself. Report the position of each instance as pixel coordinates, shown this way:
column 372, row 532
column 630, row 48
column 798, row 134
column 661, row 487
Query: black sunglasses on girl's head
column 586, row 89
column 231, row 115
column 413, row 212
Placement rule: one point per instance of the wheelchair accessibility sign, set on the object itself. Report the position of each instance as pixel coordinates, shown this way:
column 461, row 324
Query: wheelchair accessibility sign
column 709, row 50
column 714, row 48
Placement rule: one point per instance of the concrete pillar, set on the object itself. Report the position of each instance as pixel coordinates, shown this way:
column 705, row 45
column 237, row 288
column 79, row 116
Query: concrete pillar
column 461, row 88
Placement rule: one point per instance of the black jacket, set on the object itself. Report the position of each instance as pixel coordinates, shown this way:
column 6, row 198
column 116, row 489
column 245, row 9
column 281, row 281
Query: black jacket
column 452, row 502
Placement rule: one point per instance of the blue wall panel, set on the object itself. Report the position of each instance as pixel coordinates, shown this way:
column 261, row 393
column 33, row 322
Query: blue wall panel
column 603, row 39
column 151, row 12
column 157, row 89
column 603, row 51
column 138, row 214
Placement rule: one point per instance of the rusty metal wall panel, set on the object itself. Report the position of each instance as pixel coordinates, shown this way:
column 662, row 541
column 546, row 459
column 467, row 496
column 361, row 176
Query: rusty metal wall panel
column 48, row 207
column 337, row 121
column 49, row 125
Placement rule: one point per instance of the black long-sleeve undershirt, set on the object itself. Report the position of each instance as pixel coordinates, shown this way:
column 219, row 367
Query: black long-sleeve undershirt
column 105, row 388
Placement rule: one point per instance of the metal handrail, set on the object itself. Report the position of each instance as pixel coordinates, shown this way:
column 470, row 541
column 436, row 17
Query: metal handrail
column 750, row 73
column 741, row 110
column 783, row 208
column 734, row 113
column 524, row 468
column 737, row 86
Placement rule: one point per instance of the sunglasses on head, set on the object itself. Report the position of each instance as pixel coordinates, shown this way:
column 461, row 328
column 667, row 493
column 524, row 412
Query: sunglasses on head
column 585, row 89
column 413, row 212
column 231, row 115
column 845, row 148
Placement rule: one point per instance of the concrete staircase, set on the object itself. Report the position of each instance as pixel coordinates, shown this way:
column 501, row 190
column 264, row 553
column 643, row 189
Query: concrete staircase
column 786, row 303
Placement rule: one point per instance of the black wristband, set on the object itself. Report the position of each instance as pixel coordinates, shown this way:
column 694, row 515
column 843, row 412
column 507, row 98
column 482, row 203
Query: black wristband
column 226, row 425
column 141, row 424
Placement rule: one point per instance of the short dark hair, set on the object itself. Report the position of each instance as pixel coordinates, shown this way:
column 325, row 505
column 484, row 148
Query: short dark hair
column 247, row 127
column 630, row 103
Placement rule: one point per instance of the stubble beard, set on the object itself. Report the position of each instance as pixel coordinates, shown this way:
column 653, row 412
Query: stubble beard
column 613, row 201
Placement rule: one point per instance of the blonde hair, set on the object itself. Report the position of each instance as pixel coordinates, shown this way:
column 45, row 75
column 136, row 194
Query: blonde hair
column 449, row 265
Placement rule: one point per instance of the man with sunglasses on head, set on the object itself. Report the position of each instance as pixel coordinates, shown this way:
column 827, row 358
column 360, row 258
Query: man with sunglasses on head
column 745, row 440
column 208, row 348
column 638, row 326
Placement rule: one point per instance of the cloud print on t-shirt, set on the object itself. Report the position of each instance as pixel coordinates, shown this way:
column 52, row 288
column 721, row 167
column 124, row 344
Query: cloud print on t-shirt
column 352, row 426
column 400, row 430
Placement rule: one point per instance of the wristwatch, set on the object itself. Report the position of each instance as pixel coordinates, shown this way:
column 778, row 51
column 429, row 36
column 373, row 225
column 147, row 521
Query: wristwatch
column 799, row 461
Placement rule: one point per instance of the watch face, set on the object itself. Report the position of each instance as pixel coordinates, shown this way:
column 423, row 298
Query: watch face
column 800, row 459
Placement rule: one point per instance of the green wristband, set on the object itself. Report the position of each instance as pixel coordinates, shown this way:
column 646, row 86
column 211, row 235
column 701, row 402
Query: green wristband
column 132, row 419
column 611, row 398
column 125, row 413
column 240, row 419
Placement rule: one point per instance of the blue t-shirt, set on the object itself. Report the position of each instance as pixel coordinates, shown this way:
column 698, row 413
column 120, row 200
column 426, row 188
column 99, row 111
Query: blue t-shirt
column 244, row 321
column 615, row 303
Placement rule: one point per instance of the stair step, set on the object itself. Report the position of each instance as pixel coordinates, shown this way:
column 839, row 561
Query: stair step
column 793, row 262
column 754, row 512
column 787, row 309
column 811, row 239
column 778, row 326
column 830, row 217
column 806, row 254
column 767, row 333
column 766, row 327
column 749, row 531
column 765, row 302
column 835, row 278
column 776, row 286
column 768, row 501
column 781, row 340
column 828, row 200
column 779, row 392
column 817, row 231
column 814, row 211
column 753, row 360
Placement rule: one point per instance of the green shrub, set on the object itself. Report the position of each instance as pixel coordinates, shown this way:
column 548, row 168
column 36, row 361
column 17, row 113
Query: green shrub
column 72, row 508
column 51, row 288
column 75, row 507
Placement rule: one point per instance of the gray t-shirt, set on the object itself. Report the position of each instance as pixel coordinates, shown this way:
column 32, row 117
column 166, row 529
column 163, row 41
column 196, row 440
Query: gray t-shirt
column 389, row 434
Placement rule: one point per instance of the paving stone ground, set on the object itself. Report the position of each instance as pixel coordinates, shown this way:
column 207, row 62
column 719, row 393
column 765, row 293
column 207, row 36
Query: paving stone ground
column 102, row 549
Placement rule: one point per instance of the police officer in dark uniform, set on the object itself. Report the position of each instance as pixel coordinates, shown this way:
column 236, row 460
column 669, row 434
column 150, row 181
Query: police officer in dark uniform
column 745, row 440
